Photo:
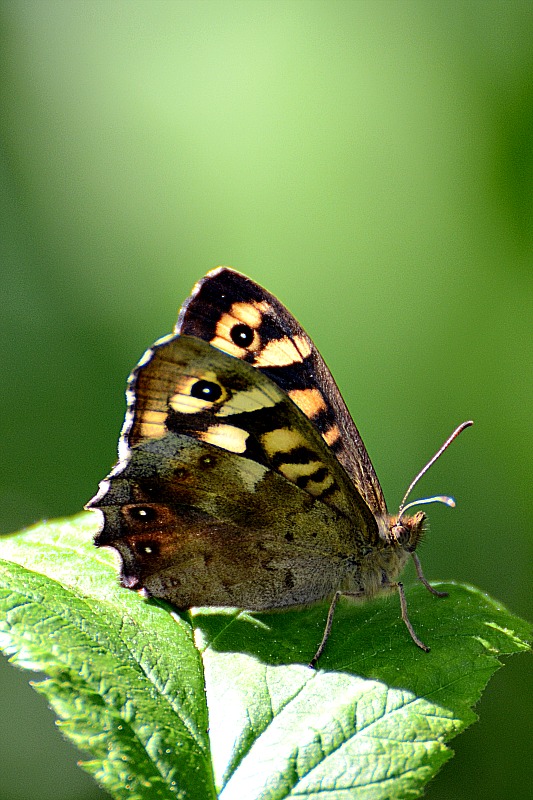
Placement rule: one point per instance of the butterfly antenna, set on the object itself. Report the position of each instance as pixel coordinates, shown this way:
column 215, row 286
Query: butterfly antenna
column 448, row 501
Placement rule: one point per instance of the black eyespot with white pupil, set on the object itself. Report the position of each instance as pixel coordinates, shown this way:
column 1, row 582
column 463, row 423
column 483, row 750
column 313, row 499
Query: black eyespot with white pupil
column 242, row 335
column 147, row 548
column 206, row 390
column 143, row 513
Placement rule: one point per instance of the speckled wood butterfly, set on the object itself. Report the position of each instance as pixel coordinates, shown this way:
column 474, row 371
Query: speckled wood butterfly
column 242, row 479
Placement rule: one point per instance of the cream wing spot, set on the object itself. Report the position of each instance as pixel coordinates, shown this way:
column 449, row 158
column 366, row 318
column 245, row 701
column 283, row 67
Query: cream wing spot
column 294, row 471
column 317, row 487
column 303, row 346
column 278, row 353
column 313, row 476
column 283, row 352
column 282, row 440
column 299, row 466
column 310, row 474
column 249, row 400
column 227, row 437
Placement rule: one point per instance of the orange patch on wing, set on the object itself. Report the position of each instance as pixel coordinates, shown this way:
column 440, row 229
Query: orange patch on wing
column 332, row 435
column 310, row 401
column 152, row 424
column 249, row 313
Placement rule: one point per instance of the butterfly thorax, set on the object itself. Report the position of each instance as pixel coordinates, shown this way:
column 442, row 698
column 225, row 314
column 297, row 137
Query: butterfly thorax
column 399, row 538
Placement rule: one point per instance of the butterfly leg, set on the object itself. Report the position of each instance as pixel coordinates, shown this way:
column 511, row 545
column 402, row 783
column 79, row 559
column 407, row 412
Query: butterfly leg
column 327, row 630
column 421, row 578
column 405, row 617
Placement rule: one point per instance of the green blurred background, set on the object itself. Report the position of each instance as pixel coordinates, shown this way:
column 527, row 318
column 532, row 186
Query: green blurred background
column 370, row 163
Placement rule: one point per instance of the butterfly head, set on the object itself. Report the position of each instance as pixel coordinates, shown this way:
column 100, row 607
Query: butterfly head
column 406, row 532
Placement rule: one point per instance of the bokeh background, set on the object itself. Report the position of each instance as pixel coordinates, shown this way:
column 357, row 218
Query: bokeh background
column 370, row 163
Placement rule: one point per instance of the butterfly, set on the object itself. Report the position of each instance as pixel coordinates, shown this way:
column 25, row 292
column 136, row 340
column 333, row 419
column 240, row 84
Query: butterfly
column 242, row 479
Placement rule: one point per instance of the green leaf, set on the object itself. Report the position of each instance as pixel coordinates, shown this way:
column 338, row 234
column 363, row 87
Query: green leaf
column 220, row 703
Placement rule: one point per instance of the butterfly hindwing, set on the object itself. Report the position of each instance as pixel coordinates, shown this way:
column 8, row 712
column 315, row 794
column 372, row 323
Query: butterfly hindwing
column 238, row 316
column 198, row 525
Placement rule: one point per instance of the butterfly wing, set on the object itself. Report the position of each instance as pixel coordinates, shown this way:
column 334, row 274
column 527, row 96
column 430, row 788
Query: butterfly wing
column 261, row 543
column 225, row 494
column 185, row 386
column 241, row 318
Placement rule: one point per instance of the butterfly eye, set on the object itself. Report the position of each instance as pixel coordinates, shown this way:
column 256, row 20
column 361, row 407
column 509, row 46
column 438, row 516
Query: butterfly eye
column 401, row 534
column 242, row 335
column 206, row 390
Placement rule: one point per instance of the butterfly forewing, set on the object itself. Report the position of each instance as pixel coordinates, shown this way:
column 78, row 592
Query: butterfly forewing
column 238, row 316
column 185, row 386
